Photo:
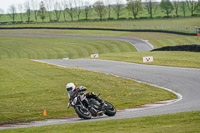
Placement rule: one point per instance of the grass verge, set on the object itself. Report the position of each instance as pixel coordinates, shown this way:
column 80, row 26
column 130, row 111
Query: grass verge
column 53, row 48
column 27, row 88
column 187, row 122
column 177, row 24
column 44, row 47
column 162, row 58
column 158, row 40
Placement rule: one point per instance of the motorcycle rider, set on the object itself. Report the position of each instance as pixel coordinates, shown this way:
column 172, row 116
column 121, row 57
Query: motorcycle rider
column 73, row 90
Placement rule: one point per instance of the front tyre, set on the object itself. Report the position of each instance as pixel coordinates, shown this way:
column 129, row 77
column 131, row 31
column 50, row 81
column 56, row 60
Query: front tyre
column 83, row 113
column 110, row 109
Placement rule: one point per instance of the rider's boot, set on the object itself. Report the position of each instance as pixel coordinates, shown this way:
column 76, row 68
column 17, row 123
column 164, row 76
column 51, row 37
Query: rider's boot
column 101, row 108
column 102, row 104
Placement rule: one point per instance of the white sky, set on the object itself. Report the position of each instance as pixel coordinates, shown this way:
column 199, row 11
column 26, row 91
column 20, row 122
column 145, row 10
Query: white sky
column 4, row 4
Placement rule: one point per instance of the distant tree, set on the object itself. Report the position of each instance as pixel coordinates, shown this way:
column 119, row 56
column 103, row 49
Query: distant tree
column 1, row 12
column 109, row 9
column 42, row 11
column 64, row 6
column 70, row 10
column 183, row 6
column 118, row 8
column 57, row 10
column 167, row 6
column 78, row 10
column 20, row 8
column 198, row 5
column 49, row 8
column 192, row 6
column 135, row 6
column 34, row 5
column 87, row 9
column 12, row 12
column 151, row 7
column 100, row 9
column 176, row 4
column 28, row 11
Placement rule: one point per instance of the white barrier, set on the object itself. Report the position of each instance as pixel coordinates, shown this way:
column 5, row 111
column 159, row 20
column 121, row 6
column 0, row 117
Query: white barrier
column 94, row 55
column 148, row 59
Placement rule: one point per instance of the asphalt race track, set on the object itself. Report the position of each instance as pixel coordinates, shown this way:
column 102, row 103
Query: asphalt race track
column 185, row 82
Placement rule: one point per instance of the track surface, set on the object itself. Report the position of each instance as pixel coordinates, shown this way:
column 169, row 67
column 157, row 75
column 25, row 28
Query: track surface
column 139, row 44
column 184, row 81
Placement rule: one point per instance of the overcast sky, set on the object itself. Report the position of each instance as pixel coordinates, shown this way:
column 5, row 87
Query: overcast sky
column 4, row 4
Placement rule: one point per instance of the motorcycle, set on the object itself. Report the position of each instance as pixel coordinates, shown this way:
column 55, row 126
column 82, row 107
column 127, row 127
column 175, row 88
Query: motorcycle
column 94, row 109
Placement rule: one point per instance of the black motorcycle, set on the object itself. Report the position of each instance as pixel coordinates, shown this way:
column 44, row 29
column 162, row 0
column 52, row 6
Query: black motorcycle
column 94, row 109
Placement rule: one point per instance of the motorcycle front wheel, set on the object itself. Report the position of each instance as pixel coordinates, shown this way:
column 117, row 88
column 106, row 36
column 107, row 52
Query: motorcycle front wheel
column 82, row 112
column 110, row 109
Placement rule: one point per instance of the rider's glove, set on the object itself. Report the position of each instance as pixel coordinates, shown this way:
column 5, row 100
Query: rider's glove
column 82, row 88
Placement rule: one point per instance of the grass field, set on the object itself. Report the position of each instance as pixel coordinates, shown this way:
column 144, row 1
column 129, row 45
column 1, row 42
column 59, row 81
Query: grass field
column 53, row 48
column 158, row 40
column 44, row 48
column 117, row 24
column 180, row 24
column 175, row 59
column 187, row 122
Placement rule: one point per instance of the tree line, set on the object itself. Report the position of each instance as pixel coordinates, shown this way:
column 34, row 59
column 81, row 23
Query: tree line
column 53, row 10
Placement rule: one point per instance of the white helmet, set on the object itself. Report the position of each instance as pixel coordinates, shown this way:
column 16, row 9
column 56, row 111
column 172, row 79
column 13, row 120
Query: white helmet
column 70, row 87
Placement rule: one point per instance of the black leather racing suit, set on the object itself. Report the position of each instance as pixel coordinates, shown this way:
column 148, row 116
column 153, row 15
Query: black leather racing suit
column 72, row 94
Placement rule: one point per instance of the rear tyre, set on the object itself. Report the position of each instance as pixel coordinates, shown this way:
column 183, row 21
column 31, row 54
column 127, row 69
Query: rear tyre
column 110, row 109
column 83, row 113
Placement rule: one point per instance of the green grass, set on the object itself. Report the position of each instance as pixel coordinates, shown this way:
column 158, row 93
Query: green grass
column 42, row 47
column 184, row 40
column 27, row 88
column 177, row 24
column 117, row 24
column 53, row 48
column 187, row 122
column 175, row 59
column 142, row 35
column 156, row 39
